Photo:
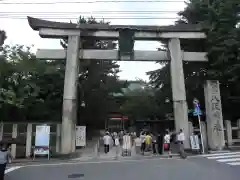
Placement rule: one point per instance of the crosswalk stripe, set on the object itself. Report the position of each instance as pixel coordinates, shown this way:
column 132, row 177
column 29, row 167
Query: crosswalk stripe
column 219, row 154
column 226, row 156
column 229, row 160
column 234, row 164
column 10, row 169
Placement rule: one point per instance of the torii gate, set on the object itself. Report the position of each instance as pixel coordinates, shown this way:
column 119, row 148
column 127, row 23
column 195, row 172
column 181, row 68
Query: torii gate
column 74, row 33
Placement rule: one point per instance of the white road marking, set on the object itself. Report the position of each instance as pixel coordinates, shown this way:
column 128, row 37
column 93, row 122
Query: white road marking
column 226, row 156
column 219, row 154
column 231, row 158
column 234, row 164
column 12, row 169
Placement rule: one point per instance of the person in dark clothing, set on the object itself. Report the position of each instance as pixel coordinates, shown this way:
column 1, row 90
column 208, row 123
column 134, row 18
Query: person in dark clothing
column 4, row 159
column 154, row 142
column 160, row 143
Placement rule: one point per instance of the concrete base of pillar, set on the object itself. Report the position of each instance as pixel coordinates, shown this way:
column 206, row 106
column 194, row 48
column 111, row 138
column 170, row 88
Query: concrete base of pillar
column 69, row 117
column 181, row 121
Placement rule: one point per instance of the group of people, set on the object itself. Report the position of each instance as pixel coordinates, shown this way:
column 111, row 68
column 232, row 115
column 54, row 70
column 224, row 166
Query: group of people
column 146, row 142
column 113, row 139
column 160, row 143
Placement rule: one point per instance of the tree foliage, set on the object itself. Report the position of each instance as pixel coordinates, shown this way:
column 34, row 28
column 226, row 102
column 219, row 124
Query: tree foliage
column 32, row 89
column 219, row 20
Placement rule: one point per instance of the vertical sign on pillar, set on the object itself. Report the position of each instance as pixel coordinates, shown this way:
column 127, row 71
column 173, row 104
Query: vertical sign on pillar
column 214, row 115
column 80, row 136
column 178, row 89
column 69, row 95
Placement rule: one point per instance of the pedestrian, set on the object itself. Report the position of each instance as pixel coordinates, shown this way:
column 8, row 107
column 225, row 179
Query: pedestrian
column 154, row 142
column 107, row 141
column 138, row 144
column 166, row 145
column 148, row 141
column 180, row 140
column 5, row 157
column 117, row 146
column 143, row 145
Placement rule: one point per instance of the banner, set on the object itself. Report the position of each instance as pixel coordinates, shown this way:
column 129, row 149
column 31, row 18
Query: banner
column 194, row 142
column 42, row 140
column 80, row 136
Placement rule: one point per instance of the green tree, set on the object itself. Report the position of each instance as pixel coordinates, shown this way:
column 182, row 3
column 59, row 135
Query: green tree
column 219, row 20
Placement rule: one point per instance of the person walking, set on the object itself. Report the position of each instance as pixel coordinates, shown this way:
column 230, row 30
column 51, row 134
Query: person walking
column 5, row 158
column 107, row 139
column 180, row 140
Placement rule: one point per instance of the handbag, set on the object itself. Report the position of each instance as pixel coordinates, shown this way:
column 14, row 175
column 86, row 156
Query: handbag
column 165, row 146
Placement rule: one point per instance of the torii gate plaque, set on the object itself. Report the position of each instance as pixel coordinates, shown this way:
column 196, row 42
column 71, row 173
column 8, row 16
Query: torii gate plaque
column 74, row 33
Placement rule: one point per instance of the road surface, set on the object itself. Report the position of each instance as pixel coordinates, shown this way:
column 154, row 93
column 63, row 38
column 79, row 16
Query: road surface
column 199, row 168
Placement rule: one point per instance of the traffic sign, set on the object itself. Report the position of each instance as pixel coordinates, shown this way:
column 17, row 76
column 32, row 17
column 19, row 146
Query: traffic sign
column 196, row 111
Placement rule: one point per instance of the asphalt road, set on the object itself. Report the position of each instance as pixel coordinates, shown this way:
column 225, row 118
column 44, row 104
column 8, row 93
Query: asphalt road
column 148, row 169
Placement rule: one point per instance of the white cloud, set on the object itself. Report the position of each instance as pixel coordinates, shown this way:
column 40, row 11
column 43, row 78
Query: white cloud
column 18, row 30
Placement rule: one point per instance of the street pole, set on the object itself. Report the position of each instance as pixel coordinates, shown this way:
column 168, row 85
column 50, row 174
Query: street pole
column 196, row 104
column 200, row 128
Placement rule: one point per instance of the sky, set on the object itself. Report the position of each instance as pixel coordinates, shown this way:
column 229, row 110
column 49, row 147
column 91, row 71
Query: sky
column 13, row 21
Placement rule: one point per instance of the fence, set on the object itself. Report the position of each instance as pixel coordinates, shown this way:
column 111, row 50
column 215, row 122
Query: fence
column 232, row 132
column 25, row 132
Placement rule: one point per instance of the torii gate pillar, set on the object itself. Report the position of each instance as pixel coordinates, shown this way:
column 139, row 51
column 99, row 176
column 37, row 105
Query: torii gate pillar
column 69, row 114
column 178, row 89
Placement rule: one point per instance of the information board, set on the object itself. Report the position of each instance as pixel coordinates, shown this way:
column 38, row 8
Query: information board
column 42, row 140
column 194, row 140
column 80, row 136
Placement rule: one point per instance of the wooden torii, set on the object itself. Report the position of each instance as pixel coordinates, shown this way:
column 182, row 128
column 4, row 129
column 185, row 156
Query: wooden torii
column 75, row 33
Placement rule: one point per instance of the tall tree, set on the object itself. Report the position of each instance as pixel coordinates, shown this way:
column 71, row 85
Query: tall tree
column 219, row 20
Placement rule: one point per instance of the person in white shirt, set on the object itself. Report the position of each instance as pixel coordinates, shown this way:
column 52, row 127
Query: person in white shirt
column 167, row 138
column 117, row 145
column 181, row 139
column 138, row 144
column 107, row 141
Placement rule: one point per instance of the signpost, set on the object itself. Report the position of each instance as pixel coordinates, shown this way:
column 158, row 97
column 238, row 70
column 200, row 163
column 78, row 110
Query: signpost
column 197, row 112
column 42, row 141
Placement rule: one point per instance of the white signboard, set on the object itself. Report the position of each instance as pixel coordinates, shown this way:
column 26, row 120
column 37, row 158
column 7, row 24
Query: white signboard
column 194, row 142
column 80, row 136
column 127, row 142
column 42, row 140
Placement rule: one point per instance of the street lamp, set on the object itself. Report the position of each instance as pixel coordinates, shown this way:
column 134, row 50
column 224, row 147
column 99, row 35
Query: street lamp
column 167, row 100
column 83, row 104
